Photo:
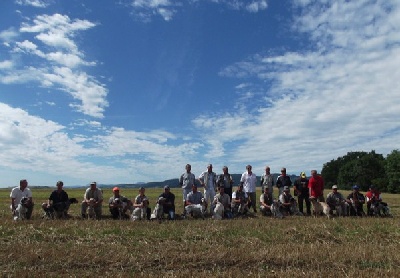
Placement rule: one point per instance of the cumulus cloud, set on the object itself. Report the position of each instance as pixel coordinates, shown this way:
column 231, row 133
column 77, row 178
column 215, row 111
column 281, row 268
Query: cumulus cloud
column 30, row 143
column 54, row 42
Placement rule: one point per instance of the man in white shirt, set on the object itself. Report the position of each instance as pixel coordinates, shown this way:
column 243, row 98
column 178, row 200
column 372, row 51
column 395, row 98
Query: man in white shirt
column 208, row 179
column 21, row 201
column 249, row 180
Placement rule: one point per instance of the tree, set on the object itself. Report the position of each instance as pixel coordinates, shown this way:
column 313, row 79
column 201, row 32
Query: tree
column 359, row 168
column 393, row 171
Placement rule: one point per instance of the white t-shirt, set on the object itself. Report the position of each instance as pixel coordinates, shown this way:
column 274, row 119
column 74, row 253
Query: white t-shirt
column 249, row 182
column 17, row 194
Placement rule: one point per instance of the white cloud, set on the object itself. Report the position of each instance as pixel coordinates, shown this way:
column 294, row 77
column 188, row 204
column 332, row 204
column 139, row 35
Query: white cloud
column 146, row 9
column 30, row 143
column 33, row 3
column 8, row 64
column 8, row 35
column 340, row 95
column 257, row 6
column 54, row 42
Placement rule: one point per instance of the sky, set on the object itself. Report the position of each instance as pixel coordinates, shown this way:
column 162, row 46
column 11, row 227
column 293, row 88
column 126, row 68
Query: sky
column 131, row 91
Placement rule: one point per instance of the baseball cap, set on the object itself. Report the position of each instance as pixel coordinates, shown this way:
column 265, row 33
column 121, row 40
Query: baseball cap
column 356, row 187
column 286, row 188
column 334, row 187
column 93, row 182
column 303, row 175
column 166, row 187
column 115, row 189
column 60, row 183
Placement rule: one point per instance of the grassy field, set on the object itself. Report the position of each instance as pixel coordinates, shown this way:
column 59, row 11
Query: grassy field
column 253, row 247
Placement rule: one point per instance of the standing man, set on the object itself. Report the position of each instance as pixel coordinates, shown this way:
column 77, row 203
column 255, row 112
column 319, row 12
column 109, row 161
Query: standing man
column 22, row 193
column 283, row 180
column 249, row 180
column 208, row 179
column 302, row 192
column 316, row 186
column 186, row 181
column 225, row 180
column 267, row 180
column 93, row 197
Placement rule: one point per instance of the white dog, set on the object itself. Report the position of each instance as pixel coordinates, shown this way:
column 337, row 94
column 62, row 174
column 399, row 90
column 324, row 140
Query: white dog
column 319, row 207
column 218, row 211
column 198, row 209
column 91, row 213
column 158, row 209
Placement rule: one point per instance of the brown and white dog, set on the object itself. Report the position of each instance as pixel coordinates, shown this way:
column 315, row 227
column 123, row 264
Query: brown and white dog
column 319, row 207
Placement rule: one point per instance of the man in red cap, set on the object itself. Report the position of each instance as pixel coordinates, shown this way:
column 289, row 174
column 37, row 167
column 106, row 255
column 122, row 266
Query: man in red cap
column 118, row 205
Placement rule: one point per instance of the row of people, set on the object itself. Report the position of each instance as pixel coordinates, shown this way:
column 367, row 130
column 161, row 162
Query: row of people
column 58, row 202
column 210, row 181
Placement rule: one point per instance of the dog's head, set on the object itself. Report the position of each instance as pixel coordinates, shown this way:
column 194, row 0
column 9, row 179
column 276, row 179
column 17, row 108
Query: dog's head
column 73, row 200
column 161, row 200
column 24, row 201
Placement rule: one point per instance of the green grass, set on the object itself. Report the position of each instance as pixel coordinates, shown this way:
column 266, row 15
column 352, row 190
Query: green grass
column 256, row 247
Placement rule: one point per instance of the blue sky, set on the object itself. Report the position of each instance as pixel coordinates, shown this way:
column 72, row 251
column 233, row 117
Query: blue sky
column 131, row 91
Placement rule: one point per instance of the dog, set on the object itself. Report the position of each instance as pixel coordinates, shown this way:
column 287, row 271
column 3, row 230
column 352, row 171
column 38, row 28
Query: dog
column 276, row 209
column 158, row 211
column 197, row 209
column 319, row 207
column 380, row 209
column 218, row 211
column 91, row 213
column 22, row 209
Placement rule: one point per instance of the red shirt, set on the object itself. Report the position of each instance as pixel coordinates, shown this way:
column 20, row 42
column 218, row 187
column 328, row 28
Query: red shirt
column 316, row 184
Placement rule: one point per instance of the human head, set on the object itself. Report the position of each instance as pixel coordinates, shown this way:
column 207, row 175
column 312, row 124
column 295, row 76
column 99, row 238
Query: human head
column 356, row 187
column 93, row 185
column 166, row 188
column 240, row 187
column 60, row 185
column 248, row 168
column 116, row 191
column 283, row 171
column 313, row 173
column 225, row 169
column 334, row 188
column 23, row 184
column 194, row 188
column 209, row 167
column 142, row 190
column 188, row 168
column 267, row 169
column 221, row 189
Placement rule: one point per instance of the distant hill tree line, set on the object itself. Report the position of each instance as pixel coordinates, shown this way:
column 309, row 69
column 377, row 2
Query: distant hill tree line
column 364, row 169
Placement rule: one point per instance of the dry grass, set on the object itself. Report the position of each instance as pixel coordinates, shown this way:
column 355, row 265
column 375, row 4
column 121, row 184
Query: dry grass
column 257, row 247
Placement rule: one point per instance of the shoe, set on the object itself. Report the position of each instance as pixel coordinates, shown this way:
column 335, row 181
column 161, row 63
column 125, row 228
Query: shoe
column 84, row 216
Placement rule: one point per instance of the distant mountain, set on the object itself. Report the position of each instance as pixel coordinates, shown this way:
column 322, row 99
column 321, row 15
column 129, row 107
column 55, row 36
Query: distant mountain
column 173, row 183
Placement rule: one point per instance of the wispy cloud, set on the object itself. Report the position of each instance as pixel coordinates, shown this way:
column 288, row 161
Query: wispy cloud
column 146, row 9
column 33, row 3
column 339, row 95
